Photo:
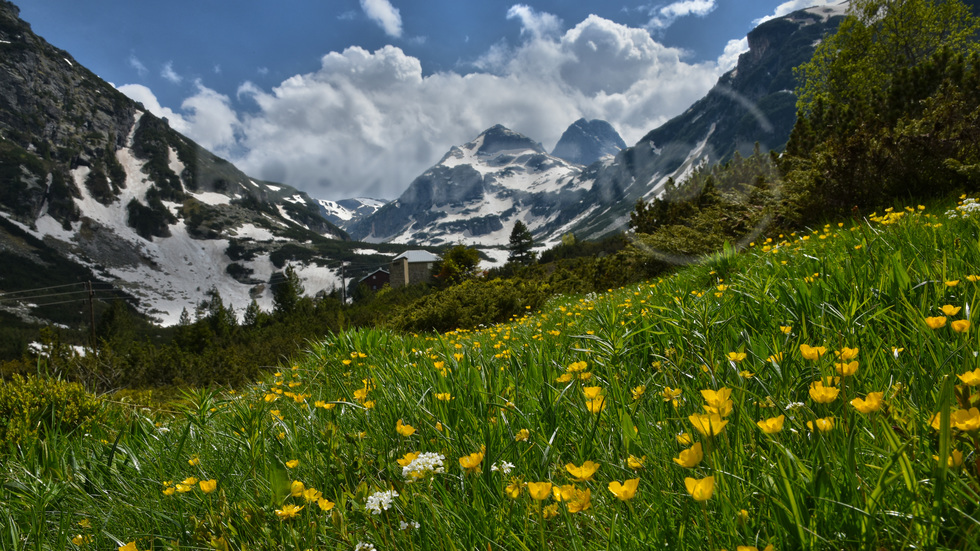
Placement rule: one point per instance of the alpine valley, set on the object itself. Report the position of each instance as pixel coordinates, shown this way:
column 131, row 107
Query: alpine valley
column 95, row 188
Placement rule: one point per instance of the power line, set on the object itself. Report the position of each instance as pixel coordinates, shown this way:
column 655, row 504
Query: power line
column 5, row 293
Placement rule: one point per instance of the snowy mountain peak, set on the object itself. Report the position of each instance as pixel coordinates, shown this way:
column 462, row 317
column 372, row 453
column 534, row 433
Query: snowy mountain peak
column 499, row 138
column 585, row 142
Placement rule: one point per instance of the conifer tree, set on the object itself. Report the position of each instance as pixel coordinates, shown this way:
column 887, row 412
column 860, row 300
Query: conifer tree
column 521, row 244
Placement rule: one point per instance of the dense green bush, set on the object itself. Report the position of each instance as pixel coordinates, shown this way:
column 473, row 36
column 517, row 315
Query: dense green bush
column 472, row 303
column 33, row 407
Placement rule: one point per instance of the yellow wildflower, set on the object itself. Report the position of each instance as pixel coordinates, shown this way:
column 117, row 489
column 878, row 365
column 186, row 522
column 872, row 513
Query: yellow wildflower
column 846, row 369
column 954, row 460
column 812, row 352
column 773, row 425
column 539, row 490
column 403, row 429
column 292, row 463
column 626, row 490
column 823, row 394
column 736, row 357
column 691, row 457
column 950, row 310
column 868, row 404
column 208, row 486
column 824, row 424
column 708, row 424
column 635, row 463
column 288, row 511
column 471, row 463
column 522, row 435
column 936, row 322
column 971, row 378
column 960, row 326
column 702, row 489
column 584, row 472
column 845, row 354
column 966, row 420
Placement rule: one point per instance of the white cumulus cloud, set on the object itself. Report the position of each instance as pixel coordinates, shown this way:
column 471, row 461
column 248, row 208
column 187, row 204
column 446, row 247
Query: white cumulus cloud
column 535, row 23
column 666, row 15
column 369, row 122
column 789, row 7
column 729, row 58
column 385, row 15
column 168, row 73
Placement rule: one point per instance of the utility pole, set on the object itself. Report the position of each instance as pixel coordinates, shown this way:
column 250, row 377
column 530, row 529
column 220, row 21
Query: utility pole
column 91, row 316
column 343, row 282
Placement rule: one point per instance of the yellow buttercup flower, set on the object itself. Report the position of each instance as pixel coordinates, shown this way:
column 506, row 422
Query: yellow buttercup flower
column 208, row 486
column 952, row 283
column 708, row 424
column 690, row 457
column 539, row 491
column 702, row 489
column 868, row 404
column 292, row 463
column 960, row 326
column 471, row 463
column 824, row 424
column 786, row 329
column 635, row 463
column 965, row 420
column 131, row 546
column 671, row 395
column 684, row 439
column 596, row 405
column 592, row 392
column 194, row 461
column 288, row 511
column 936, row 322
column 736, row 356
column 522, row 435
column 812, row 352
column 407, row 458
column 584, row 472
column 772, row 425
column 580, row 500
column 846, row 369
column 312, row 494
column 950, row 310
column 823, row 394
column 624, row 491
column 513, row 490
column 296, row 488
column 954, row 460
column 845, row 354
column 638, row 391
column 550, row 511
column 444, row 396
column 971, row 378
column 324, row 504
column 403, row 429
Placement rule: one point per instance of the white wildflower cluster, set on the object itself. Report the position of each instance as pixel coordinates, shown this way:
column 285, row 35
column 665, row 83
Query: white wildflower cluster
column 966, row 209
column 364, row 546
column 795, row 405
column 407, row 525
column 424, row 465
column 503, row 466
column 380, row 501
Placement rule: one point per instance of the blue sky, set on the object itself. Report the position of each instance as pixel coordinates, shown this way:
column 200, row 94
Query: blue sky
column 357, row 97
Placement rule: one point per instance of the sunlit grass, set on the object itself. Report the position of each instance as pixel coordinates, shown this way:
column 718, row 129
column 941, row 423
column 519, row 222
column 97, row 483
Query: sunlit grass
column 795, row 395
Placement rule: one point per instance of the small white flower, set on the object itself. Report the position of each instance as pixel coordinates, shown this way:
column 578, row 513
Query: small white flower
column 364, row 546
column 503, row 466
column 410, row 524
column 795, row 405
column 380, row 501
column 425, row 464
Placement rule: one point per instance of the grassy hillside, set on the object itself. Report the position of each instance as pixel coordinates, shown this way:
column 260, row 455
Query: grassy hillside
column 642, row 417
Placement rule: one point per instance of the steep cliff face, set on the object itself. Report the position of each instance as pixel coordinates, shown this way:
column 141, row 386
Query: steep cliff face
column 89, row 177
column 585, row 142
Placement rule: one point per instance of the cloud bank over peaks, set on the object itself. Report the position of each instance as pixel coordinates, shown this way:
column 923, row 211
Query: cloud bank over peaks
column 367, row 123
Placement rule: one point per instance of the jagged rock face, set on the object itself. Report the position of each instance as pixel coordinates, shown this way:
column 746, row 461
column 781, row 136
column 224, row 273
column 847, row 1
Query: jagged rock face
column 585, row 142
column 122, row 197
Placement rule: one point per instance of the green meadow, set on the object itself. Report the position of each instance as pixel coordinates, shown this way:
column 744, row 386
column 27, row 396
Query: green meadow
column 817, row 390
